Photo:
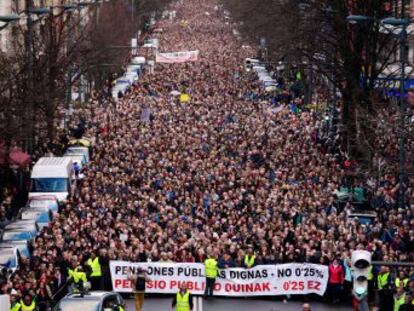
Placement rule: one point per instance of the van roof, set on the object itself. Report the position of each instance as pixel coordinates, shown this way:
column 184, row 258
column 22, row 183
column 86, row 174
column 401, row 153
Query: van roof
column 52, row 167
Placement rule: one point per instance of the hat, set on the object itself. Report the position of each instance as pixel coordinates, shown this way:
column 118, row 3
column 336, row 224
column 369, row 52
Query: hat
column 13, row 292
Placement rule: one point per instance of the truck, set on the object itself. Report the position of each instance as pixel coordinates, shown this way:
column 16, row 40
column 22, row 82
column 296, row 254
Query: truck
column 53, row 176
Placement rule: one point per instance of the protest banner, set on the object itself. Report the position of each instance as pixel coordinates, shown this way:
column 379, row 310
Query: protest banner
column 265, row 280
column 177, row 57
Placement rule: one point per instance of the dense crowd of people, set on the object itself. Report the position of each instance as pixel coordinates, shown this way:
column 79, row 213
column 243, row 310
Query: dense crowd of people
column 233, row 169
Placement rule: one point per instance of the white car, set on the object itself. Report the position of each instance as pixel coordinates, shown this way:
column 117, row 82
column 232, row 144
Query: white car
column 92, row 301
column 9, row 257
column 78, row 150
column 42, row 215
column 151, row 43
column 49, row 201
column 138, row 60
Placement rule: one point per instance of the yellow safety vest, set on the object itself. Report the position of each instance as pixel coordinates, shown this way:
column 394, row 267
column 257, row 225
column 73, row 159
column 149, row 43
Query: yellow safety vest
column 210, row 265
column 72, row 271
column 79, row 276
column 31, row 307
column 399, row 302
column 249, row 261
column 398, row 282
column 370, row 274
column 95, row 265
column 183, row 302
column 383, row 280
column 15, row 307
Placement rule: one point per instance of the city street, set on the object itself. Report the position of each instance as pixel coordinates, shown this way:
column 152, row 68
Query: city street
column 164, row 304
column 238, row 149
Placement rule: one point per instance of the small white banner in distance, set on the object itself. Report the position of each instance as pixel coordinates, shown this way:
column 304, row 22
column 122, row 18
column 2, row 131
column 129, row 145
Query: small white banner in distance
column 177, row 57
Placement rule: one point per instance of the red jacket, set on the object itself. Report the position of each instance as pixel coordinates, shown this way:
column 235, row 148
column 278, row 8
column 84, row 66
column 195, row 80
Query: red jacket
column 336, row 274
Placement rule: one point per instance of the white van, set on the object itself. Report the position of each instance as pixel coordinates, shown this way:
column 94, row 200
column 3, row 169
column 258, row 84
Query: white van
column 53, row 176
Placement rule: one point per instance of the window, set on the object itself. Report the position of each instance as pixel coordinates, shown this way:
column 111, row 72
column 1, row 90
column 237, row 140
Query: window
column 109, row 302
column 49, row 185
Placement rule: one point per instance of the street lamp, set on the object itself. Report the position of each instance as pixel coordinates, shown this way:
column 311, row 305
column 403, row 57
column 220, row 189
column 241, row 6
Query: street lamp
column 392, row 21
column 403, row 60
column 8, row 19
column 354, row 19
column 39, row 11
column 396, row 22
column 29, row 43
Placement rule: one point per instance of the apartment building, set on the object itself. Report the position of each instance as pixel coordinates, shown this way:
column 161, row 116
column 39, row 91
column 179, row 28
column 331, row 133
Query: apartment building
column 18, row 7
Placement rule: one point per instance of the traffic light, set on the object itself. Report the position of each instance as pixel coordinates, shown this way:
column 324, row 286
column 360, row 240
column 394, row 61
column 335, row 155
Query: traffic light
column 361, row 263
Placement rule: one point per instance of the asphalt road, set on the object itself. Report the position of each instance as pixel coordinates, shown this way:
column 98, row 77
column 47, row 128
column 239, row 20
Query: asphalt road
column 164, row 304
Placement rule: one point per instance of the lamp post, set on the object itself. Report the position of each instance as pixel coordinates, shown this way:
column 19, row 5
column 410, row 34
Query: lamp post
column 403, row 23
column 29, row 44
column 68, row 97
column 69, row 53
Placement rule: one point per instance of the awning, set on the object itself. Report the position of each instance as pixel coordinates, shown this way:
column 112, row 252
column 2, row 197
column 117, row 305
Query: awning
column 16, row 156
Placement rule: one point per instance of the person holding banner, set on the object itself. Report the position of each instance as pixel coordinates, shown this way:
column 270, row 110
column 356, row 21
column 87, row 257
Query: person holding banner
column 210, row 272
column 183, row 301
column 249, row 258
column 138, row 283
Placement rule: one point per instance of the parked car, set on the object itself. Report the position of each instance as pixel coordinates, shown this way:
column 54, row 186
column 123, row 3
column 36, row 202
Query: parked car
column 49, row 201
column 92, row 301
column 78, row 150
column 138, row 60
column 22, row 245
column 21, row 230
column 9, row 257
column 42, row 215
column 151, row 43
column 78, row 160
column 17, row 234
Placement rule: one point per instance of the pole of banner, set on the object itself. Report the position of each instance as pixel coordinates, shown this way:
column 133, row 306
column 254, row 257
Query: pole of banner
column 200, row 303
column 195, row 302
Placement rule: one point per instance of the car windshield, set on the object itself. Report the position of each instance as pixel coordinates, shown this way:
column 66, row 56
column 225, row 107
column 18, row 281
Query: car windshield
column 49, row 185
column 76, row 305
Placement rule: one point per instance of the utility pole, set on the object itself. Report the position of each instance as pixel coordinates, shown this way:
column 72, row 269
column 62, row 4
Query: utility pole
column 29, row 85
column 403, row 59
column 68, row 96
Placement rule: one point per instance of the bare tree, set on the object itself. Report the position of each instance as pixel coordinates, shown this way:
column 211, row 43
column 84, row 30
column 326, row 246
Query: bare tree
column 317, row 31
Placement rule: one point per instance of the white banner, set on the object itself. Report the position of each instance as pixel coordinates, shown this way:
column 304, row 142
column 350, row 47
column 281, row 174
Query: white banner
column 177, row 57
column 266, row 280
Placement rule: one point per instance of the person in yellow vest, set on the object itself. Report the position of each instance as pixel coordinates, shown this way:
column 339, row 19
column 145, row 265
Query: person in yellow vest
column 384, row 278
column 210, row 272
column 183, row 301
column 371, row 283
column 399, row 298
column 78, row 278
column 408, row 304
column 401, row 279
column 384, row 289
column 14, row 301
column 28, row 303
column 249, row 258
column 96, row 272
